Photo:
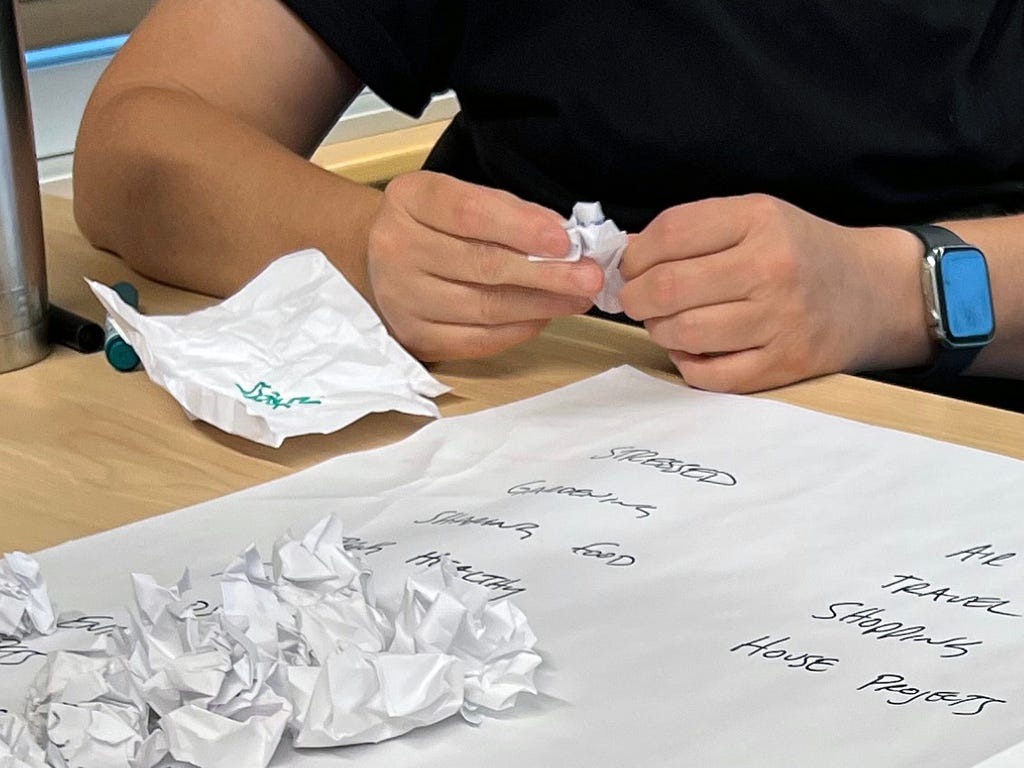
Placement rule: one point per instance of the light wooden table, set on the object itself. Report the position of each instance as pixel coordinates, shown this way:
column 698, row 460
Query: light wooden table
column 84, row 448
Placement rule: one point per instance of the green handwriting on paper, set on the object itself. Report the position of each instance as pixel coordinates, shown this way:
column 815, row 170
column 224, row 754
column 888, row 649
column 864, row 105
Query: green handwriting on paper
column 264, row 393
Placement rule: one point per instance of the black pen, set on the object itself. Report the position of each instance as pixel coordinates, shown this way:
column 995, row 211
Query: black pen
column 71, row 330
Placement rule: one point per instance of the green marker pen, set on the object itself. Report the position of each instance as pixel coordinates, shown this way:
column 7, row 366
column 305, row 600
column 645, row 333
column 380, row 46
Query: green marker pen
column 118, row 351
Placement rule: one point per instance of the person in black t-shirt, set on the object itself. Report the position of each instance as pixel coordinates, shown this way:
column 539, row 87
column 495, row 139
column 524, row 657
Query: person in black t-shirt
column 762, row 156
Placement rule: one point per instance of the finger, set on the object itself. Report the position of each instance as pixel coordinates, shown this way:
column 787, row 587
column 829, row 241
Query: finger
column 475, row 212
column 462, row 304
column 677, row 286
column 739, row 372
column 479, row 263
column 731, row 327
column 466, row 342
column 689, row 230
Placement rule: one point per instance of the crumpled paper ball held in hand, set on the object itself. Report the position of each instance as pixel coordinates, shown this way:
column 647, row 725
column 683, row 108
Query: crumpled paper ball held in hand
column 593, row 236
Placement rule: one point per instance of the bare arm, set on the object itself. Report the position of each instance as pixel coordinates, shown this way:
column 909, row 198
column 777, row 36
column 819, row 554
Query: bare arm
column 189, row 162
column 189, row 165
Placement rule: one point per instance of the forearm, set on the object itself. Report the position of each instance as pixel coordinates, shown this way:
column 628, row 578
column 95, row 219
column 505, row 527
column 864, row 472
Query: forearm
column 192, row 196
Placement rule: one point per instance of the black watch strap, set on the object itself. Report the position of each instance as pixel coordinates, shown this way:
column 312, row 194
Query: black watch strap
column 950, row 361
column 934, row 236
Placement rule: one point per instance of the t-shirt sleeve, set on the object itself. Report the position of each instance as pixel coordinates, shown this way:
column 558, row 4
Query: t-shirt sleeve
column 402, row 49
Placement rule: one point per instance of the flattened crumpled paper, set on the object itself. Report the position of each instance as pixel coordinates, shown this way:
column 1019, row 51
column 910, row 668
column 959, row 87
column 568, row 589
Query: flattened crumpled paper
column 304, row 647
column 17, row 747
column 296, row 351
column 25, row 605
column 597, row 238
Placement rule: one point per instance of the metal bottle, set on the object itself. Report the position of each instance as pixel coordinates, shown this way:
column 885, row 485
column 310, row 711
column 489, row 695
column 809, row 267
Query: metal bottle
column 23, row 300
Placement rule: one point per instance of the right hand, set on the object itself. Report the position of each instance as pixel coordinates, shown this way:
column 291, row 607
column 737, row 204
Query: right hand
column 448, row 268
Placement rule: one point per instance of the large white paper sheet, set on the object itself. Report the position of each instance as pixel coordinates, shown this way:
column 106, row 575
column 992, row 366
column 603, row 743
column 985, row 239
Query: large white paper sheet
column 667, row 546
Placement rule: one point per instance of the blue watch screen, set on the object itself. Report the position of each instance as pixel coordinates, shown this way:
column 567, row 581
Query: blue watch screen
column 968, row 301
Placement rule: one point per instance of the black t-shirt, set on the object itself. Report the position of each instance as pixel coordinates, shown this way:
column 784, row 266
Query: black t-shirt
column 866, row 112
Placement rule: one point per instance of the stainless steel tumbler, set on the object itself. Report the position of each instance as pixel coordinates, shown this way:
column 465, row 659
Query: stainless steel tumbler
column 23, row 301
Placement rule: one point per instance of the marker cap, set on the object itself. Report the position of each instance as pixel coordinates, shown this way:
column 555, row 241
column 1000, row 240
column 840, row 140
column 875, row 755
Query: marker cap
column 120, row 354
column 129, row 293
column 118, row 351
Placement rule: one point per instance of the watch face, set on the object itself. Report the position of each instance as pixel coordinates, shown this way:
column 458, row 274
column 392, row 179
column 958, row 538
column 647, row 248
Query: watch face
column 966, row 298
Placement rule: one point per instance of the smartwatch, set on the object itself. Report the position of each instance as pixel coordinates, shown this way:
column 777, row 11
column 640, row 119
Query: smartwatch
column 958, row 297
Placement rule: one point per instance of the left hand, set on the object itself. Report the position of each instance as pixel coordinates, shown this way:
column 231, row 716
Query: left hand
column 749, row 293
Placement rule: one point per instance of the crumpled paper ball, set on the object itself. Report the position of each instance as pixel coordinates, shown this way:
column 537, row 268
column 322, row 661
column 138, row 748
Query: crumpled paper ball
column 442, row 614
column 18, row 748
column 25, row 605
column 208, row 682
column 304, row 647
column 593, row 236
column 86, row 710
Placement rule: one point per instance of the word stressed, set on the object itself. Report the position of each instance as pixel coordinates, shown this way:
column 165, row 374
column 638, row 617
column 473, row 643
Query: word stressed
column 265, row 394
column 867, row 621
column 505, row 586
column 899, row 693
column 905, row 583
column 539, row 487
column 654, row 460
column 451, row 517
column 766, row 648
